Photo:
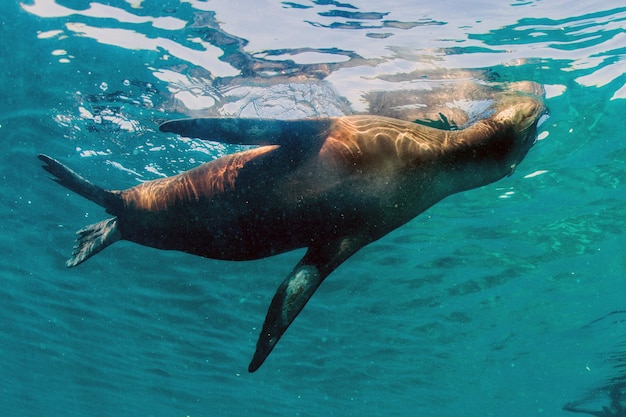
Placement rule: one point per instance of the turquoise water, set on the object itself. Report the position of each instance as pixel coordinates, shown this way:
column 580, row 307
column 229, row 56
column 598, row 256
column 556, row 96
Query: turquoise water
column 495, row 302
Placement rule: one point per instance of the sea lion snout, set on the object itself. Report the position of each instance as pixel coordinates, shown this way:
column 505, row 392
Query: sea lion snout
column 530, row 112
column 523, row 114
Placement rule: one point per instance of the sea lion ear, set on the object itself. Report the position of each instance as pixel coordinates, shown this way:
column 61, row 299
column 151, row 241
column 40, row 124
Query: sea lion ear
column 236, row 131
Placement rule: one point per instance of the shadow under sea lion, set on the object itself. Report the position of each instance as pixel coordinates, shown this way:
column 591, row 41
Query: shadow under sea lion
column 332, row 185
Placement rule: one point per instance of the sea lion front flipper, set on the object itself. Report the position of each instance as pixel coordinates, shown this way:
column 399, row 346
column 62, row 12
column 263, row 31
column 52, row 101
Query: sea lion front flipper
column 242, row 131
column 296, row 290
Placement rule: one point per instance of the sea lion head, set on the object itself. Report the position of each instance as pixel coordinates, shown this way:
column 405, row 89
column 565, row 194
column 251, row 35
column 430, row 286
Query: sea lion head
column 519, row 115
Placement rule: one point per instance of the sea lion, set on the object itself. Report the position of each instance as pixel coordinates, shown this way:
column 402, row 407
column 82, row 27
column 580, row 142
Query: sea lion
column 332, row 185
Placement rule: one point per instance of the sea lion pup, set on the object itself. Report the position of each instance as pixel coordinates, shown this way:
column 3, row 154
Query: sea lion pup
column 331, row 185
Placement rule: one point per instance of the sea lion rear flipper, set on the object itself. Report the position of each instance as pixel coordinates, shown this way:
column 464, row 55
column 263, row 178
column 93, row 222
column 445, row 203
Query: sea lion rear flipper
column 93, row 238
column 296, row 290
column 242, row 131
column 63, row 175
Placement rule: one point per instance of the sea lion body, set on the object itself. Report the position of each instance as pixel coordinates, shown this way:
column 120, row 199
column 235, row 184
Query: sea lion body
column 252, row 204
column 330, row 185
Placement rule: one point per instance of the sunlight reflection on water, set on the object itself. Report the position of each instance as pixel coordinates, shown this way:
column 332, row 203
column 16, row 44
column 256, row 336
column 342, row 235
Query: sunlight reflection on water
column 49, row 8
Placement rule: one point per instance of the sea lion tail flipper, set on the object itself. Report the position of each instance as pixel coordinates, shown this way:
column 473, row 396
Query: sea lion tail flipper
column 296, row 290
column 92, row 239
column 72, row 181
column 308, row 133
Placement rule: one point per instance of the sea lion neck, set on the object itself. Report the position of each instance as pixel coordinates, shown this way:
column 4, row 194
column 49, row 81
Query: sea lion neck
column 376, row 141
column 478, row 155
